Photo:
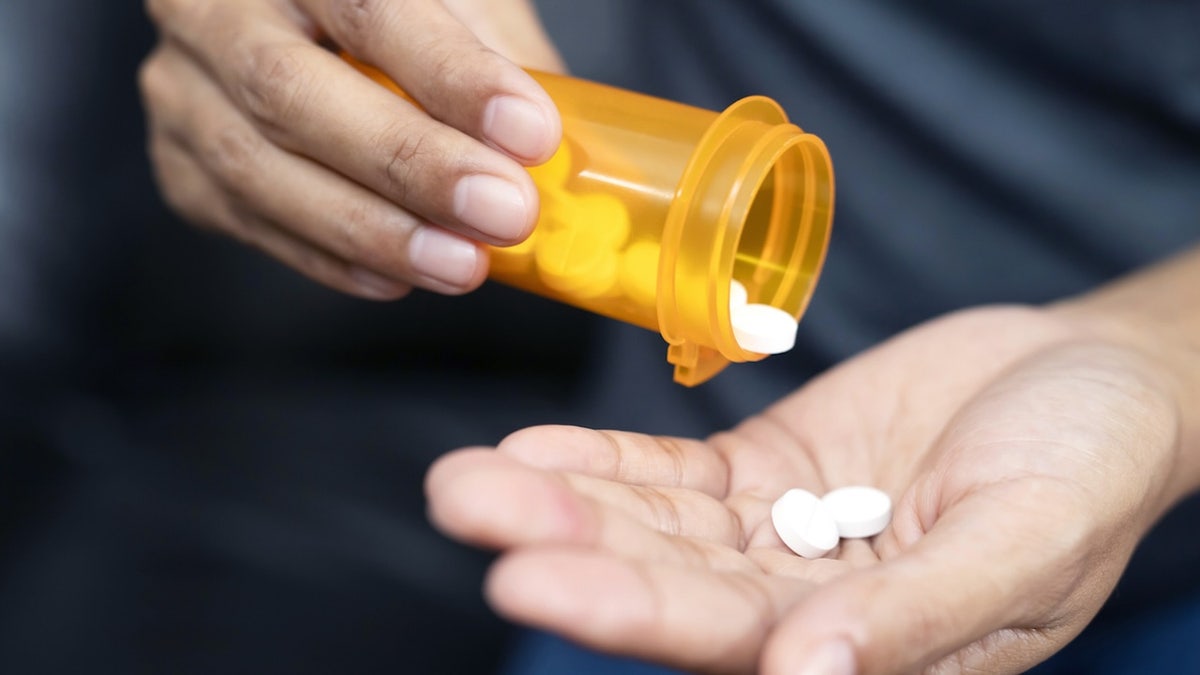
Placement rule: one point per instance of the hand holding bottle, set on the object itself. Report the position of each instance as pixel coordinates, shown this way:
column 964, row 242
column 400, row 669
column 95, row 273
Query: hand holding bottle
column 260, row 131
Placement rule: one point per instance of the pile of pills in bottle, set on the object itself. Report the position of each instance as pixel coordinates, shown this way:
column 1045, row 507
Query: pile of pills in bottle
column 811, row 526
column 579, row 240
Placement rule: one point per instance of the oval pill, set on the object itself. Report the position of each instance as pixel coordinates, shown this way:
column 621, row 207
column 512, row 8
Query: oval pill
column 763, row 329
column 859, row 511
column 604, row 214
column 801, row 521
column 576, row 261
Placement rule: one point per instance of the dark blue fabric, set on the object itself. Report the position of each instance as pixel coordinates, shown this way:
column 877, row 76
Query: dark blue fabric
column 1160, row 641
column 540, row 653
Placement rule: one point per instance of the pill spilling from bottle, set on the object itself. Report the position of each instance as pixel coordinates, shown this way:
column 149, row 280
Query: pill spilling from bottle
column 811, row 526
column 760, row 328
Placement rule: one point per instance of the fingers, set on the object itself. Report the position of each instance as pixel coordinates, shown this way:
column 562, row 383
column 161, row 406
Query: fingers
column 192, row 192
column 445, row 67
column 307, row 101
column 488, row 499
column 923, row 606
column 390, row 248
column 681, row 616
column 637, row 459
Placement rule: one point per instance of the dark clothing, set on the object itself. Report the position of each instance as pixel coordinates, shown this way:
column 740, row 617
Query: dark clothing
column 208, row 464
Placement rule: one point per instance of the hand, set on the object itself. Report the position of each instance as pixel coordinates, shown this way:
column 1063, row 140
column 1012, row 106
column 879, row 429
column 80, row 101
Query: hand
column 1025, row 457
column 259, row 131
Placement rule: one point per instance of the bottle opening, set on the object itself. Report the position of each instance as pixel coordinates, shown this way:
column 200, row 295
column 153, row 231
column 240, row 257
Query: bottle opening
column 755, row 206
column 786, row 230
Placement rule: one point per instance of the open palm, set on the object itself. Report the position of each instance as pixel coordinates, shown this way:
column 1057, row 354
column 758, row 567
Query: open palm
column 1025, row 463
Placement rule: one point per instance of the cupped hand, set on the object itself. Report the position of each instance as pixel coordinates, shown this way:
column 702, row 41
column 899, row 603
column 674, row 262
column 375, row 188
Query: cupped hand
column 1025, row 459
column 258, row 129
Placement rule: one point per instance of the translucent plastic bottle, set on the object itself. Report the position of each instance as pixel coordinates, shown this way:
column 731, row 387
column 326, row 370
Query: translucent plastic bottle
column 650, row 208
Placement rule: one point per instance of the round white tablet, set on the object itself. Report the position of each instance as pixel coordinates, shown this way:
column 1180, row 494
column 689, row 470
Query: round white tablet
column 737, row 294
column 763, row 329
column 803, row 523
column 859, row 511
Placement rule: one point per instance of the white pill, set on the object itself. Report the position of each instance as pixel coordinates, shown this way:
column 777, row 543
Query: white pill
column 859, row 511
column 737, row 294
column 803, row 524
column 763, row 329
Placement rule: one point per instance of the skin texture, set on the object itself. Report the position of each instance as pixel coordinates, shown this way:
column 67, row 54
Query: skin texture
column 1027, row 451
column 258, row 130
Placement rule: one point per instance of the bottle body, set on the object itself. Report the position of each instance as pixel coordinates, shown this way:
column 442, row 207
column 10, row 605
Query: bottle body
column 651, row 208
column 605, row 199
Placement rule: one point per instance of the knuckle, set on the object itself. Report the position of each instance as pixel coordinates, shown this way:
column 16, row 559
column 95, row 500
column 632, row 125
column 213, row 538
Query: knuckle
column 353, row 22
column 233, row 154
column 469, row 68
column 352, row 228
column 410, row 149
column 273, row 84
column 361, row 239
column 457, row 65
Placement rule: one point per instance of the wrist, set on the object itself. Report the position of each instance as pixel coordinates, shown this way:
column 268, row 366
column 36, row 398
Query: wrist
column 1154, row 315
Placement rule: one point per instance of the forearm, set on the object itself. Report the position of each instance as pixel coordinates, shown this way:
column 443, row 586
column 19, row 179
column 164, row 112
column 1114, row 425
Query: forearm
column 1156, row 312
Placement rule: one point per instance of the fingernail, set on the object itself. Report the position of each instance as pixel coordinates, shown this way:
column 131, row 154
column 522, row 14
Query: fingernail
column 491, row 205
column 517, row 126
column 443, row 257
column 831, row 658
column 375, row 285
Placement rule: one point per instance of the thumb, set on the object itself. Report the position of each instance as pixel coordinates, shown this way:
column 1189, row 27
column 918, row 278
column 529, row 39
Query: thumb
column 959, row 583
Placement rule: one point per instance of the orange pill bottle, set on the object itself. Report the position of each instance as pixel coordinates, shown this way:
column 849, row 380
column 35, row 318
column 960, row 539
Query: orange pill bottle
column 651, row 208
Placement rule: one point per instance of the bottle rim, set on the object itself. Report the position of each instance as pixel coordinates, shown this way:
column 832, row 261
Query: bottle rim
column 725, row 178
